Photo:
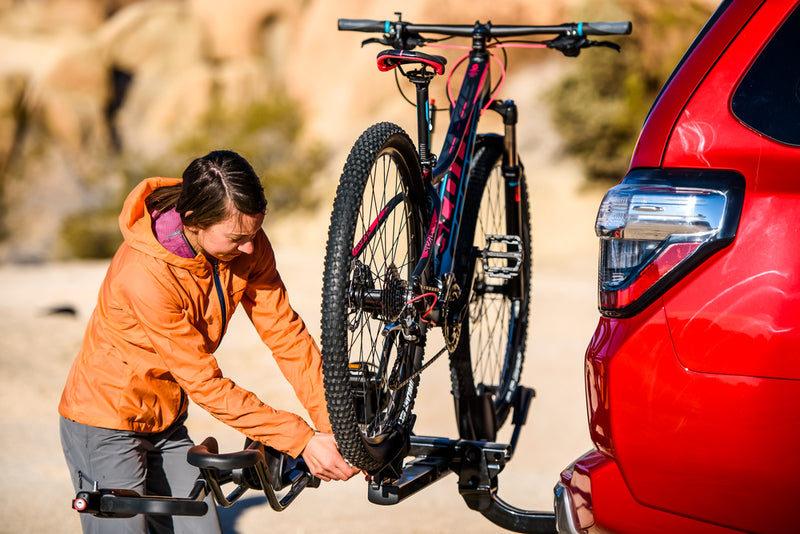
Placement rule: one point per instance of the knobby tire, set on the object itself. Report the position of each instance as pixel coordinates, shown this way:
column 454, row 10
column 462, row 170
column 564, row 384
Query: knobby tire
column 362, row 367
column 489, row 357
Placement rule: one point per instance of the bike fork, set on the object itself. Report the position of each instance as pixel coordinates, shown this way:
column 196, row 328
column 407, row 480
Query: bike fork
column 512, row 176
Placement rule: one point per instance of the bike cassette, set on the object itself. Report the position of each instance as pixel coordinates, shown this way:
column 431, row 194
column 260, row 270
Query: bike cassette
column 394, row 294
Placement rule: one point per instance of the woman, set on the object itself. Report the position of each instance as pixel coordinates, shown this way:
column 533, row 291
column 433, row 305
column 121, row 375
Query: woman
column 193, row 250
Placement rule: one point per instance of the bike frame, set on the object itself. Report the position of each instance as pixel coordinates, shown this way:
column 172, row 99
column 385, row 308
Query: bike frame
column 446, row 178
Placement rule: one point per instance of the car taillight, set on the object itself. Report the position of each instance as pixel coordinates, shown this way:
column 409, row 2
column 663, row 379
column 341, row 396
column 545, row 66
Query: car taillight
column 657, row 225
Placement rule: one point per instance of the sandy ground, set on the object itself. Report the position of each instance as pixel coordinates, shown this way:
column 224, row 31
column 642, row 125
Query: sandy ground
column 36, row 350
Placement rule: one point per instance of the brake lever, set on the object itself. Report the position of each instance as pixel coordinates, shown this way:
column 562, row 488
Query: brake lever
column 371, row 40
column 606, row 44
column 571, row 45
column 409, row 41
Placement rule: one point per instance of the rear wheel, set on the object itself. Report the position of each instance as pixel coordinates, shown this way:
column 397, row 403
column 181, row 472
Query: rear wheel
column 487, row 363
column 374, row 241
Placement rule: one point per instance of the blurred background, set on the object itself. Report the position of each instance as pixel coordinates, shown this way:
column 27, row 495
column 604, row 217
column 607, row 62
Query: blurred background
column 95, row 95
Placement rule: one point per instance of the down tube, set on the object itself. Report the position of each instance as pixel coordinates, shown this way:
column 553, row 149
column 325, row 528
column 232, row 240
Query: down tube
column 456, row 158
column 452, row 194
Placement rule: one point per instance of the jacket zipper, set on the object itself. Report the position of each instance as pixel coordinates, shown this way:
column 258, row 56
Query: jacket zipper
column 221, row 296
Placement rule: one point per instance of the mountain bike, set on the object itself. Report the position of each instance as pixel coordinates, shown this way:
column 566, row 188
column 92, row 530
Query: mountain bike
column 419, row 241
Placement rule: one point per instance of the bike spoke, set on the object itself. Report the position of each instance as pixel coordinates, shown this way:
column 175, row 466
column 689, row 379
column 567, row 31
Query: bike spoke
column 382, row 225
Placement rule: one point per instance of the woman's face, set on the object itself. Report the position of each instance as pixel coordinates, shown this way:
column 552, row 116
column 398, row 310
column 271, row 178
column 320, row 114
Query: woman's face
column 227, row 239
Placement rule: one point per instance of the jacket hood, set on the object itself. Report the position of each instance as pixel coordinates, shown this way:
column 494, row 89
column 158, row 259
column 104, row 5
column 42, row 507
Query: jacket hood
column 136, row 225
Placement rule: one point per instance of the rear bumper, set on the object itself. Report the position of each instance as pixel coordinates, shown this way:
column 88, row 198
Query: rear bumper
column 574, row 508
column 592, row 497
column 566, row 520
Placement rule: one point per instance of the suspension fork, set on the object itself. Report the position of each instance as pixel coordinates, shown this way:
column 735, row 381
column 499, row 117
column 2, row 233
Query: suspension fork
column 512, row 175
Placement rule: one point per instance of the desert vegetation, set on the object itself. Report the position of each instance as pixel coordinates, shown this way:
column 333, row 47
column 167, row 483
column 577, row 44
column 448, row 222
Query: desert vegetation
column 600, row 106
column 97, row 94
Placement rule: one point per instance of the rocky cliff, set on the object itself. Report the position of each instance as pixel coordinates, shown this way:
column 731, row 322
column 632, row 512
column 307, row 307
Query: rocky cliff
column 90, row 89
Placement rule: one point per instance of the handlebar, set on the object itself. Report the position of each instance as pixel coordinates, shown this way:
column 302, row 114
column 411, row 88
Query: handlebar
column 364, row 25
column 605, row 28
column 568, row 38
column 578, row 29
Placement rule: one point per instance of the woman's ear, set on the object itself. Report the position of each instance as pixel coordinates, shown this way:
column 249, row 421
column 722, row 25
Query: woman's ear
column 188, row 227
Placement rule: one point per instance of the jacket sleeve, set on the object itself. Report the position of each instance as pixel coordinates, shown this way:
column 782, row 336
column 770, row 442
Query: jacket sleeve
column 186, row 354
column 267, row 303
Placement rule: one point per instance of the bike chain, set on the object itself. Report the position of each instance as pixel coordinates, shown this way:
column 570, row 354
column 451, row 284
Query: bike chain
column 394, row 387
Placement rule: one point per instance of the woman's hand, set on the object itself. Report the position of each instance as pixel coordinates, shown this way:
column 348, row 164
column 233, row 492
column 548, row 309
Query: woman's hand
column 324, row 460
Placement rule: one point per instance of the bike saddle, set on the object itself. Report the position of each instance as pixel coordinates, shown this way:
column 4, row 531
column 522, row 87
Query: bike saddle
column 389, row 59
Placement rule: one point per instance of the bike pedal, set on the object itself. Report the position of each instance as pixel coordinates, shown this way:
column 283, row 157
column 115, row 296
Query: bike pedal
column 510, row 259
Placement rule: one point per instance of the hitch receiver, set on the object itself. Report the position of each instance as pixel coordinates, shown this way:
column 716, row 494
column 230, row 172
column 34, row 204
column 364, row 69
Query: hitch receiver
column 477, row 464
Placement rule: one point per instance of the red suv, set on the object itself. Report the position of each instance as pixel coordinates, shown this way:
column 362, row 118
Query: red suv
column 693, row 373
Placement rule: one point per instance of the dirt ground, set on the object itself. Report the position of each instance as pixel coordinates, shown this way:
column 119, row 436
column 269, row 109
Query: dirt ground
column 37, row 348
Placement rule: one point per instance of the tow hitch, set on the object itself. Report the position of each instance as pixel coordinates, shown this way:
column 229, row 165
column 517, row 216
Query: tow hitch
column 477, row 464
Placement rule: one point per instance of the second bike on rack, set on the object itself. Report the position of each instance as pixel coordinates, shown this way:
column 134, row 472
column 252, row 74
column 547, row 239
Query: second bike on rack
column 419, row 241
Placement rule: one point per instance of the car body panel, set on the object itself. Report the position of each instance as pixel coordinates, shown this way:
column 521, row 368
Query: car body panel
column 686, row 442
column 692, row 401
column 658, row 126
column 598, row 493
column 741, row 314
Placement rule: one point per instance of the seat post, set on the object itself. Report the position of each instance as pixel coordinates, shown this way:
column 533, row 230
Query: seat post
column 421, row 79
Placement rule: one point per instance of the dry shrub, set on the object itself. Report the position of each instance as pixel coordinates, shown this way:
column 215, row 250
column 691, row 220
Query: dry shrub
column 267, row 134
column 600, row 107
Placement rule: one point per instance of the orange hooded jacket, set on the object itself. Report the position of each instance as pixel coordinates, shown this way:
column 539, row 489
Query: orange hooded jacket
column 158, row 321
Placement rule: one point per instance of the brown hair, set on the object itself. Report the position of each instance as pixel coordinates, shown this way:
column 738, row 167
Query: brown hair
column 212, row 185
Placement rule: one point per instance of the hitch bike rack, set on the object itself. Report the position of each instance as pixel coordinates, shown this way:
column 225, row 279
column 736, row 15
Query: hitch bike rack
column 477, row 464
column 257, row 467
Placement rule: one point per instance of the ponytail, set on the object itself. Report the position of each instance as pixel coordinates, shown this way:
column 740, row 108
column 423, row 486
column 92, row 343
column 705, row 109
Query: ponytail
column 164, row 198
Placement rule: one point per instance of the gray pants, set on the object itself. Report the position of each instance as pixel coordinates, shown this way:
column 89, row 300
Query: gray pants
column 150, row 464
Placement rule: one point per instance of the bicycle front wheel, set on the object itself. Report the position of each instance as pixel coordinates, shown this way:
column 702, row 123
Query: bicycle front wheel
column 487, row 363
column 374, row 242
